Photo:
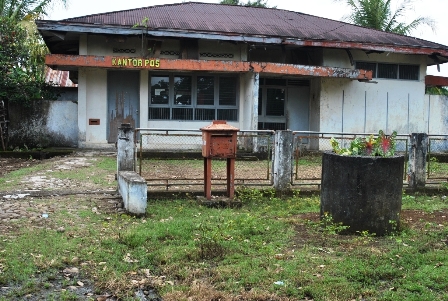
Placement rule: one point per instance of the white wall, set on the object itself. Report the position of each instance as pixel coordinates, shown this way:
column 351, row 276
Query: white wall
column 95, row 107
column 437, row 114
column 62, row 119
column 352, row 106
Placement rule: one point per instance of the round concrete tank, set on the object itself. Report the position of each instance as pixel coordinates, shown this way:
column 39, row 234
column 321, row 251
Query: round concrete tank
column 362, row 192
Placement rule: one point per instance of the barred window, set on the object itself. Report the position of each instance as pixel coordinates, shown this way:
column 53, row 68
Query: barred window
column 193, row 97
column 391, row 71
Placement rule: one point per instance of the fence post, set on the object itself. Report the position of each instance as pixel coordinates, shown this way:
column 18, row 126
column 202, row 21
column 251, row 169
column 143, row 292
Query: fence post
column 125, row 148
column 283, row 152
column 417, row 160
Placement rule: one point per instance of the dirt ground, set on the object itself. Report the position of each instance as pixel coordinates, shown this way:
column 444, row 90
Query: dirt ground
column 10, row 164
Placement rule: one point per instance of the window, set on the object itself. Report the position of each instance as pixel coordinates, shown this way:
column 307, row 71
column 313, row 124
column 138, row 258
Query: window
column 275, row 102
column 392, row 71
column 182, row 90
column 193, row 97
column 387, row 71
column 206, row 90
column 227, row 91
column 159, row 89
column 409, row 72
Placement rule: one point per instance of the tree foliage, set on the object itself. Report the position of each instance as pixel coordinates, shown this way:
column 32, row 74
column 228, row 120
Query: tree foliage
column 22, row 51
column 21, row 76
column 26, row 10
column 256, row 3
column 378, row 14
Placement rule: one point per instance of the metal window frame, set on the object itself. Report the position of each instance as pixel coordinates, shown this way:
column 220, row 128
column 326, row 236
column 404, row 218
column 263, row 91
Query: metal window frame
column 194, row 86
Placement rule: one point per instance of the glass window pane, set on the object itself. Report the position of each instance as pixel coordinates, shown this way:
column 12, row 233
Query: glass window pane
column 160, row 89
column 275, row 102
column 206, row 90
column 388, row 71
column 227, row 91
column 409, row 72
column 182, row 90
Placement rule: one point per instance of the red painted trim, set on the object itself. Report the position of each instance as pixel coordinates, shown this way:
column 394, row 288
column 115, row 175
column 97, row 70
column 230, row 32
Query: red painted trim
column 437, row 81
column 113, row 62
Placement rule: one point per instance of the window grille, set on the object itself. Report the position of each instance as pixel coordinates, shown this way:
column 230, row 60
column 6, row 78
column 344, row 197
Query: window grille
column 387, row 71
column 274, row 126
column 204, row 114
column 159, row 113
column 182, row 114
column 409, row 72
column 228, row 114
column 392, row 71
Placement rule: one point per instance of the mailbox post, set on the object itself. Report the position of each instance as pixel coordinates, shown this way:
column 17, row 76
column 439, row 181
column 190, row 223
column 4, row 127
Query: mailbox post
column 219, row 141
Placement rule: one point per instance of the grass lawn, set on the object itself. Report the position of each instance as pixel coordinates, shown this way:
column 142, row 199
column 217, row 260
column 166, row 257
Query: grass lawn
column 268, row 249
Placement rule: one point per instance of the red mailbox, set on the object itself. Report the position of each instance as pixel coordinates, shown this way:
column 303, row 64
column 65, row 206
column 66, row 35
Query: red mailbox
column 219, row 141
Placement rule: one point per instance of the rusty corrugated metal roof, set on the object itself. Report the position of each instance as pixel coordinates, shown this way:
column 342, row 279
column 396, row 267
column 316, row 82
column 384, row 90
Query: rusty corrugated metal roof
column 58, row 78
column 249, row 21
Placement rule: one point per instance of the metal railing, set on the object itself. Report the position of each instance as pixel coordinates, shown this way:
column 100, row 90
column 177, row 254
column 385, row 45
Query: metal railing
column 308, row 146
column 171, row 159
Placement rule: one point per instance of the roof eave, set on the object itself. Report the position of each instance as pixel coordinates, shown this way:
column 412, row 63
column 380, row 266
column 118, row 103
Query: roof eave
column 44, row 25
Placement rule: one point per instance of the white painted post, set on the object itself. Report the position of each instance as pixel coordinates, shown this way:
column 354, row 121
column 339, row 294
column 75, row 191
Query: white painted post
column 125, row 148
column 417, row 160
column 282, row 165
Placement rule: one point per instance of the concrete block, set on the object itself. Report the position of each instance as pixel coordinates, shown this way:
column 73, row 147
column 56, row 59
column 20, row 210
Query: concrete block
column 133, row 189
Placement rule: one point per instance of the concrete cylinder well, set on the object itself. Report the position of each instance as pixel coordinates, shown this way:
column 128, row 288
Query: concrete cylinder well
column 362, row 192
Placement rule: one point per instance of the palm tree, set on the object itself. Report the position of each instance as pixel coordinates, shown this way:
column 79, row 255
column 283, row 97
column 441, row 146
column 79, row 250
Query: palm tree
column 378, row 14
column 26, row 10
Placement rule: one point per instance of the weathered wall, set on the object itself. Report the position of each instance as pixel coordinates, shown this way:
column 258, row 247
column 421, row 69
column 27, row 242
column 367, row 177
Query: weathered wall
column 388, row 104
column 437, row 114
column 44, row 124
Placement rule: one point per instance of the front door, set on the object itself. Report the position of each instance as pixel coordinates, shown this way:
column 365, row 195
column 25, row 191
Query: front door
column 123, row 101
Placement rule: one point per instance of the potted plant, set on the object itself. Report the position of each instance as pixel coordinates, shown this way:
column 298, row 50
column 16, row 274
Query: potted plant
column 362, row 184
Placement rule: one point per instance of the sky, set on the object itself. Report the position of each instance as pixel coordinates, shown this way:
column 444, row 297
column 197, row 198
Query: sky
column 331, row 9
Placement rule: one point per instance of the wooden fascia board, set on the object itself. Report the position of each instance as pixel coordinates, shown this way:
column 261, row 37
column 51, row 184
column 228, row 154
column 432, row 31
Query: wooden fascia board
column 436, row 81
column 370, row 47
column 117, row 62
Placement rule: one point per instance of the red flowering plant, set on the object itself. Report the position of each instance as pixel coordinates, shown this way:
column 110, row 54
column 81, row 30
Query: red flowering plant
column 382, row 145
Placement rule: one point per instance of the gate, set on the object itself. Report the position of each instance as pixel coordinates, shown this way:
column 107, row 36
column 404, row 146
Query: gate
column 171, row 159
column 437, row 162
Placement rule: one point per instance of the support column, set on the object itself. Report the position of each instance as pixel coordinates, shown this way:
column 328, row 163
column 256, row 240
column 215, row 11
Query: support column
column 417, row 160
column 282, row 165
column 125, row 148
